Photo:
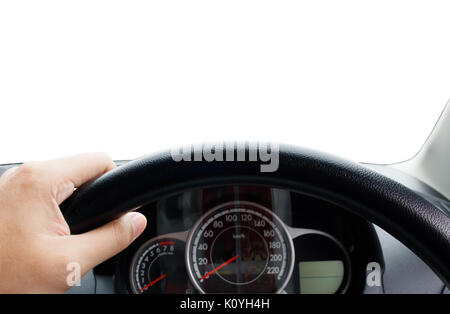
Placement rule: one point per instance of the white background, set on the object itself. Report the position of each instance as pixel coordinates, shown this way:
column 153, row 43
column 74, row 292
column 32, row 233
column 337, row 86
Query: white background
column 362, row 79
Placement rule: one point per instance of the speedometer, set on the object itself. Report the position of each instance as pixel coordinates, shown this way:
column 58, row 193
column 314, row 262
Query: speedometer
column 239, row 247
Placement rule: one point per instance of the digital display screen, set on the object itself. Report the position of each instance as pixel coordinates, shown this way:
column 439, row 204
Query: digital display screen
column 320, row 277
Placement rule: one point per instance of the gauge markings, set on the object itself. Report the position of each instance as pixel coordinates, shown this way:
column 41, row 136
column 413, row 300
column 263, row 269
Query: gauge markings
column 259, row 242
column 166, row 243
column 219, row 267
column 158, row 267
column 153, row 282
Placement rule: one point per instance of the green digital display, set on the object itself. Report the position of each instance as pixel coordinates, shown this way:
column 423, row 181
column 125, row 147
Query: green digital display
column 320, row 277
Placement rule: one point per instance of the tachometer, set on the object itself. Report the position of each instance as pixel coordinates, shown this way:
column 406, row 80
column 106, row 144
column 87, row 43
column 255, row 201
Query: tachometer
column 239, row 247
column 158, row 267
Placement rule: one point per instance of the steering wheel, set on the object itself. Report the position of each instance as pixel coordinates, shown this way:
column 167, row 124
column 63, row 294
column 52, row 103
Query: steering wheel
column 421, row 226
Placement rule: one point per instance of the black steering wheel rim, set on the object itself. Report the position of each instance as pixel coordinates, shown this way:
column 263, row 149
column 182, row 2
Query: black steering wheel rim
column 413, row 220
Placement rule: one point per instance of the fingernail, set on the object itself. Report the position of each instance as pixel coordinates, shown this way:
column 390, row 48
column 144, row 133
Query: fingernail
column 139, row 222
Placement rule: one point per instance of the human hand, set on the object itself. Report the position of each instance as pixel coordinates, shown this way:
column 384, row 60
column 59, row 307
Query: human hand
column 36, row 246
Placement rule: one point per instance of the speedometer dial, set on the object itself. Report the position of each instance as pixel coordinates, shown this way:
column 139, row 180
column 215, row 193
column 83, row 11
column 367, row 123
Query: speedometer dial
column 239, row 248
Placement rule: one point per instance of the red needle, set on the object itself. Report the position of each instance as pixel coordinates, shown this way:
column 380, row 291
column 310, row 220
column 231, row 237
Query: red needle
column 153, row 282
column 219, row 267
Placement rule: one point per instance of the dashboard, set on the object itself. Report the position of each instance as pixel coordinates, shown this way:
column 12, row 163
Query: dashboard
column 247, row 239
column 260, row 239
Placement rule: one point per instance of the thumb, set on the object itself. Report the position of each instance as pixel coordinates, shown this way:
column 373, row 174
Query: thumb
column 98, row 245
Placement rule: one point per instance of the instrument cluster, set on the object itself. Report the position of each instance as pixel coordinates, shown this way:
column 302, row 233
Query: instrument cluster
column 247, row 239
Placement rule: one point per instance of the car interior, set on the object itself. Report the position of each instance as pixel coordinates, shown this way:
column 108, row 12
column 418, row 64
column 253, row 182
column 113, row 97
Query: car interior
column 317, row 224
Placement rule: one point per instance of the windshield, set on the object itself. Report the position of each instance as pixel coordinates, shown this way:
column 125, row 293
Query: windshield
column 135, row 78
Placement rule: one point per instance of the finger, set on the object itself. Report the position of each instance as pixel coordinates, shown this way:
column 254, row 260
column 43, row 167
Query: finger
column 81, row 168
column 8, row 173
column 96, row 246
column 71, row 172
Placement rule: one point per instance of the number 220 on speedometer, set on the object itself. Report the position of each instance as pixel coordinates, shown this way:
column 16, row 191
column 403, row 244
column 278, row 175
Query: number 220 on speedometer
column 239, row 248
